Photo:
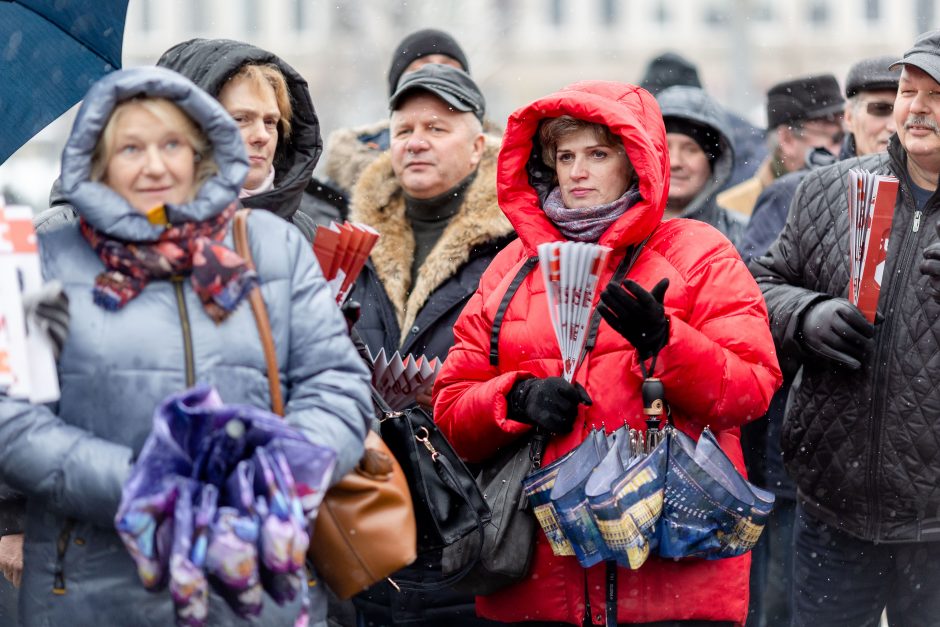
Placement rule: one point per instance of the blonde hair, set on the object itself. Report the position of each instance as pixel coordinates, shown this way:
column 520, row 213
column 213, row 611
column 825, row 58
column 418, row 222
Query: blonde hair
column 258, row 75
column 553, row 130
column 171, row 115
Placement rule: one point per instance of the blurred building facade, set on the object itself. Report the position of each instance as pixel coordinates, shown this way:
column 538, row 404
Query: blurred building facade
column 522, row 49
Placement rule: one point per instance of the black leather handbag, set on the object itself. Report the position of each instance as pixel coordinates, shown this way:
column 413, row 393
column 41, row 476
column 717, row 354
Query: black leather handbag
column 448, row 503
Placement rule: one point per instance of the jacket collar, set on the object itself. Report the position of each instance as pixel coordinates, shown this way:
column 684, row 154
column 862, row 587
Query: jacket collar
column 378, row 201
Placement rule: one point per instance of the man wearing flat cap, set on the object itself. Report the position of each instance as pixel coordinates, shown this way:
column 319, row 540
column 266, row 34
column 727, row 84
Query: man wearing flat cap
column 870, row 89
column 860, row 437
column 802, row 114
column 432, row 196
column 350, row 150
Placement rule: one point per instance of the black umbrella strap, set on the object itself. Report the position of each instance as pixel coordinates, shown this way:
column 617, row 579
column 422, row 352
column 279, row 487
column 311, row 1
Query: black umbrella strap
column 611, row 594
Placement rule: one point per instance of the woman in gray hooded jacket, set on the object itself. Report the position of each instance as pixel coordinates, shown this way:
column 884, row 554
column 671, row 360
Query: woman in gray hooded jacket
column 156, row 291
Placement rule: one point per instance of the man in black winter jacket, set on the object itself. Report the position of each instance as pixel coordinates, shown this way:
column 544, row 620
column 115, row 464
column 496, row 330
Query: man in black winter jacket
column 861, row 437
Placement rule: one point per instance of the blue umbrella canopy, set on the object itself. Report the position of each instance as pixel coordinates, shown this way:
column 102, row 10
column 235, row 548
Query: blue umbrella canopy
column 51, row 51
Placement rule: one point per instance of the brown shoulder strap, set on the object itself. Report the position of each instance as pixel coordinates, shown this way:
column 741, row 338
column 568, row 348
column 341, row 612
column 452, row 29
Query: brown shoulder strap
column 240, row 233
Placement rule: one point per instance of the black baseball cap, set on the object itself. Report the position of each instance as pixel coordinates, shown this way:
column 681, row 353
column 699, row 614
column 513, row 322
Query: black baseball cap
column 453, row 86
column 924, row 55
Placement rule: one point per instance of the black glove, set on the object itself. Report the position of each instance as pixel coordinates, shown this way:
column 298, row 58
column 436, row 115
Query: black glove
column 550, row 403
column 48, row 308
column 637, row 315
column 930, row 267
column 351, row 311
column 837, row 330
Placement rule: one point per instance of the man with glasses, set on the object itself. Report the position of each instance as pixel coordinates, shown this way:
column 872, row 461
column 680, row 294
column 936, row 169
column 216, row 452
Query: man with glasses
column 861, row 437
column 870, row 88
column 802, row 114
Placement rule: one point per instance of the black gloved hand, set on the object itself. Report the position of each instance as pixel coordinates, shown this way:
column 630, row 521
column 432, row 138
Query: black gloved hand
column 48, row 308
column 930, row 266
column 637, row 315
column 837, row 330
column 550, row 403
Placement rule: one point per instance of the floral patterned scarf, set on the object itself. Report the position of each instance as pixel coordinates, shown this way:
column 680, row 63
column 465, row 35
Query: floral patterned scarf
column 589, row 223
column 219, row 276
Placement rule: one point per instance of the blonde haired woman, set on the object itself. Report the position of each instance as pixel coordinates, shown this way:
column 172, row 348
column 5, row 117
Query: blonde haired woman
column 153, row 167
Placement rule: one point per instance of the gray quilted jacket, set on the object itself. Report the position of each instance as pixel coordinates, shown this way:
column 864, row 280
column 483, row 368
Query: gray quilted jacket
column 72, row 459
column 863, row 447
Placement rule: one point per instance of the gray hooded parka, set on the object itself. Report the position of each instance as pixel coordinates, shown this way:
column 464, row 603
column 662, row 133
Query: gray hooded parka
column 694, row 105
column 71, row 459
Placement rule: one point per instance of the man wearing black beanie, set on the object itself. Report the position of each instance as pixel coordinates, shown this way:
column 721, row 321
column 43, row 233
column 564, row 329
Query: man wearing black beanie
column 701, row 158
column 350, row 150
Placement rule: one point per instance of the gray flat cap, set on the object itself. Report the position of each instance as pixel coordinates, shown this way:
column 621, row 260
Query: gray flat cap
column 871, row 75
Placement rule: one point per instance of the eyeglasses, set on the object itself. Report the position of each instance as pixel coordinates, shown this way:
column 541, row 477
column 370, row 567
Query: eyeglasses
column 879, row 109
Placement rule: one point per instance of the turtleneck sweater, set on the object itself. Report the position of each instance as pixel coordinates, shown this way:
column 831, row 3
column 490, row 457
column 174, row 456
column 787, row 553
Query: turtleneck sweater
column 430, row 216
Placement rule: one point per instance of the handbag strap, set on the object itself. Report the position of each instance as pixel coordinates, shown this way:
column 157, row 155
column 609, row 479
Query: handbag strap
column 260, row 312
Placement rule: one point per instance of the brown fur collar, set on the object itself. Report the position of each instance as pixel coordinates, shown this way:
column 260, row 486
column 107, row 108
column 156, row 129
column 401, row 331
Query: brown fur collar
column 346, row 157
column 378, row 202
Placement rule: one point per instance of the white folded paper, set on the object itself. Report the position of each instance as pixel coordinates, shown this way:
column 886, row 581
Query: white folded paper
column 399, row 380
column 571, row 271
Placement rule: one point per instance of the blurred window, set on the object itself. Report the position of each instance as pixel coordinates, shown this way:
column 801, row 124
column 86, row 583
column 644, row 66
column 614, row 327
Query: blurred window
column 716, row 16
column 818, row 12
column 764, row 11
column 924, row 15
column 198, row 16
column 556, row 12
column 610, row 12
column 872, row 10
column 146, row 15
column 251, row 15
column 661, row 12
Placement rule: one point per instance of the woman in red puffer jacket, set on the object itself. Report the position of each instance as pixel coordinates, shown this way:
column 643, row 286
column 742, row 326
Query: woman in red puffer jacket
column 590, row 163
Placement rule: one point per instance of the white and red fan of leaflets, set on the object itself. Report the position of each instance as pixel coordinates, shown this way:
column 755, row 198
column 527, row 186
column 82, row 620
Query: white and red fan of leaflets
column 399, row 380
column 342, row 250
column 571, row 271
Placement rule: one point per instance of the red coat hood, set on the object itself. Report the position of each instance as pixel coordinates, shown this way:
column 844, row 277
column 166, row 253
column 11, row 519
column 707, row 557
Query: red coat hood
column 631, row 113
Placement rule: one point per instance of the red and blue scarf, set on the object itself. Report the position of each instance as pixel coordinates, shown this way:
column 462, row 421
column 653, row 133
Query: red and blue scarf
column 218, row 275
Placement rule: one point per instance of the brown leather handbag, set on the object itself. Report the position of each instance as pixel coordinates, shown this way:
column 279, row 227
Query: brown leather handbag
column 365, row 529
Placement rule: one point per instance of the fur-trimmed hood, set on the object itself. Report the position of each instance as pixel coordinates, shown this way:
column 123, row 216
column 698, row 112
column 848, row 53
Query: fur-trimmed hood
column 378, row 201
column 349, row 151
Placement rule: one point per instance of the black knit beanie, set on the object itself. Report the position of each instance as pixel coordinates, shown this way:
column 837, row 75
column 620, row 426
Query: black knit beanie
column 420, row 44
column 706, row 137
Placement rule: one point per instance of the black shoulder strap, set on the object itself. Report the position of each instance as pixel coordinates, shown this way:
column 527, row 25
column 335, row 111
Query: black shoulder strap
column 504, row 305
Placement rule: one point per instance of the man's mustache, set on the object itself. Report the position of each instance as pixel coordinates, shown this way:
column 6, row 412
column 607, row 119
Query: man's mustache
column 919, row 120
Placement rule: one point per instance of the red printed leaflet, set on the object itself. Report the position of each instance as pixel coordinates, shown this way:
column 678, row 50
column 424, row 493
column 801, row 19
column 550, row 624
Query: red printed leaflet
column 871, row 201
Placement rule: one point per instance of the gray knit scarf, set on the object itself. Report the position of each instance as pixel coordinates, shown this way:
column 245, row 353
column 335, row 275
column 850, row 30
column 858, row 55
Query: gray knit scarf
column 589, row 223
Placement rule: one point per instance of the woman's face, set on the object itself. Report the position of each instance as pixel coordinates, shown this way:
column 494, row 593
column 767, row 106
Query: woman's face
column 590, row 173
column 152, row 163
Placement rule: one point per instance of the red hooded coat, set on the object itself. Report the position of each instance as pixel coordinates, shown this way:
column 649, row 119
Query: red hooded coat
column 719, row 367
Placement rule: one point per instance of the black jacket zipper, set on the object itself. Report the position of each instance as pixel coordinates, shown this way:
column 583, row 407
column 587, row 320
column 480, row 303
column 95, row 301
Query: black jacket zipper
column 879, row 398
column 61, row 545
column 186, row 330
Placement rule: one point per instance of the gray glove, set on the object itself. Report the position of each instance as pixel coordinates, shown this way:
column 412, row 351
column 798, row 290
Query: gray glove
column 48, row 308
column 837, row 330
